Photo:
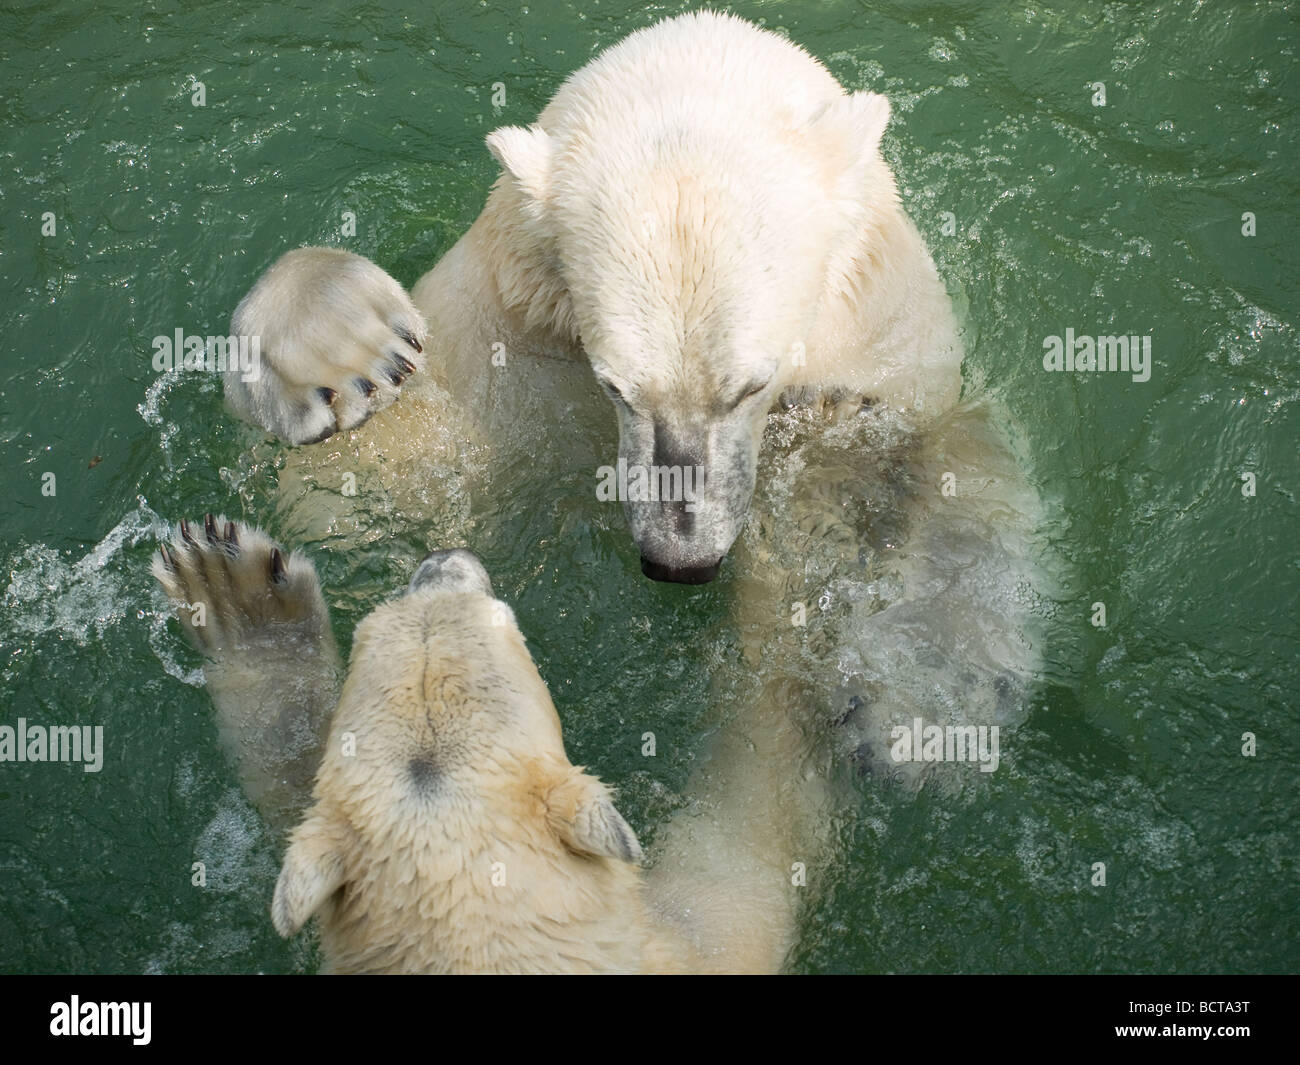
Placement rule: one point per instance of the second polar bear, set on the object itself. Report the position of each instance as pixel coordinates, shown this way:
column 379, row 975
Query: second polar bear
column 448, row 831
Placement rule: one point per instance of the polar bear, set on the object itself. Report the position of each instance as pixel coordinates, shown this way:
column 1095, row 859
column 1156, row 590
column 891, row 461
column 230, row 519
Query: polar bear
column 700, row 231
column 448, row 830
column 703, row 218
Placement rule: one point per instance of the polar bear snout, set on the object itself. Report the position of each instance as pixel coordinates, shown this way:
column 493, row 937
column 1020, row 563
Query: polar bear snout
column 451, row 570
column 688, row 495
column 682, row 541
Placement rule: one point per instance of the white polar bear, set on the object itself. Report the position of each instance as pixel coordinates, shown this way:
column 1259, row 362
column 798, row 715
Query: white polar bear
column 703, row 217
column 702, row 220
column 448, row 830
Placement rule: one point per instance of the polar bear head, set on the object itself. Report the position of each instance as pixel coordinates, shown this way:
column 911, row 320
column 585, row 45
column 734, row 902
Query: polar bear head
column 690, row 249
column 449, row 831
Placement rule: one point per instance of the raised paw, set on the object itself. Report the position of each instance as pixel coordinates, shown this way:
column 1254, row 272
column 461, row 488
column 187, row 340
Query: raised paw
column 337, row 338
column 234, row 589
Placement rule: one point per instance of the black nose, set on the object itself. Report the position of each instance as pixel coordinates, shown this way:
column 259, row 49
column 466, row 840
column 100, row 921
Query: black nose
column 679, row 574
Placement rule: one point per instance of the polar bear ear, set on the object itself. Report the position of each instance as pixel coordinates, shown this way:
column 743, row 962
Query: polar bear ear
column 312, row 872
column 526, row 156
column 580, row 811
column 860, row 118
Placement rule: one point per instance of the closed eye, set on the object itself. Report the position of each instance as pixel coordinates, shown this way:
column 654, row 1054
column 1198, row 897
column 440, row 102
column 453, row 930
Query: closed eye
column 750, row 391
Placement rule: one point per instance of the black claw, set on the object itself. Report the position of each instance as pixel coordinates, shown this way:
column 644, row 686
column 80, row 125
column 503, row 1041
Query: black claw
column 405, row 365
column 278, row 573
column 409, row 337
column 186, row 535
column 394, row 376
column 231, row 540
column 327, row 395
column 368, row 388
column 167, row 559
column 210, row 529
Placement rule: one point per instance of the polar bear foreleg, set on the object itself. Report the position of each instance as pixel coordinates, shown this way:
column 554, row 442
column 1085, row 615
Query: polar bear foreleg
column 258, row 616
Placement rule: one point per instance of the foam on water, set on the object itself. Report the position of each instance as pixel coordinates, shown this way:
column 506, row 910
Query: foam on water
column 78, row 600
column 228, row 846
column 919, row 605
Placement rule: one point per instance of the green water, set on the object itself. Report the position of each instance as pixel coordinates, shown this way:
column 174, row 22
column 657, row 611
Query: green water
column 1116, row 219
